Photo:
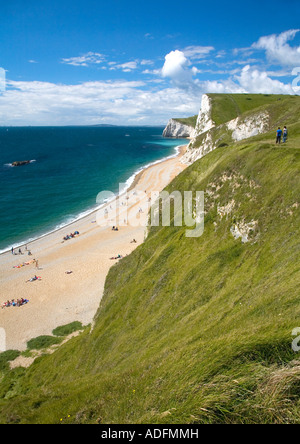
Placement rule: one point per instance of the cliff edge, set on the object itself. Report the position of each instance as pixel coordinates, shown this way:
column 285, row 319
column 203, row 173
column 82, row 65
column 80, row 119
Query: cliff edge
column 177, row 129
column 228, row 118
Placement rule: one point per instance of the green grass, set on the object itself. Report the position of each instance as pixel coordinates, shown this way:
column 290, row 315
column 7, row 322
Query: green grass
column 189, row 121
column 190, row 330
column 227, row 107
column 42, row 342
column 6, row 357
column 283, row 110
column 68, row 329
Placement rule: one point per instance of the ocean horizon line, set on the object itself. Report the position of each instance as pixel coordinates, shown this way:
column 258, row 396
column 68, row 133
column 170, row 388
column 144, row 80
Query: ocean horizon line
column 104, row 125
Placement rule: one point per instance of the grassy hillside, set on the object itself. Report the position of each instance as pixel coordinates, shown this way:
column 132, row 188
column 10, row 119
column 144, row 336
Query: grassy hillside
column 191, row 330
column 283, row 110
column 189, row 121
column 227, row 107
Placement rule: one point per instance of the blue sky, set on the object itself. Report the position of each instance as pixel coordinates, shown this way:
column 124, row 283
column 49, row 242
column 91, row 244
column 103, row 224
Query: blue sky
column 132, row 62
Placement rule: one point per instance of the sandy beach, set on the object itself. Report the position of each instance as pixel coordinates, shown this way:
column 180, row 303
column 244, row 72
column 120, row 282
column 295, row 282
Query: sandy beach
column 59, row 298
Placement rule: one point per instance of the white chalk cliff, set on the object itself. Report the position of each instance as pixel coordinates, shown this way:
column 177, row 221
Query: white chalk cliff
column 204, row 121
column 237, row 129
column 177, row 129
column 249, row 127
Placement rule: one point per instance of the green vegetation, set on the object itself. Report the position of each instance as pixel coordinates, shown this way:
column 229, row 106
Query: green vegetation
column 227, row 107
column 43, row 342
column 6, row 357
column 68, row 329
column 282, row 110
column 191, row 330
column 189, row 121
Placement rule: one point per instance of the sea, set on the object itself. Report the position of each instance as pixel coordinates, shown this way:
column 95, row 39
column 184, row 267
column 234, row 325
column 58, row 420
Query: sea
column 69, row 167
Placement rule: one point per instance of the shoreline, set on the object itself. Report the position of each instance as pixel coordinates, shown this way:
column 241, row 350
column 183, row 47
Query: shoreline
column 59, row 299
column 131, row 183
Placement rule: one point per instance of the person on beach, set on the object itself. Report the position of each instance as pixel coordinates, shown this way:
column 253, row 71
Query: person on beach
column 285, row 134
column 35, row 278
column 12, row 250
column 278, row 136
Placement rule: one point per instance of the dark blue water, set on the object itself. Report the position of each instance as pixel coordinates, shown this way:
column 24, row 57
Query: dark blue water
column 71, row 166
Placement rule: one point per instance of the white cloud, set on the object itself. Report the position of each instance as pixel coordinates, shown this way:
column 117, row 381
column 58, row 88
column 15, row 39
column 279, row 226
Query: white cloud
column 152, row 71
column 176, row 68
column 125, row 67
column 248, row 79
column 91, row 58
column 258, row 82
column 278, row 50
column 118, row 102
column 197, row 52
column 173, row 90
column 147, row 62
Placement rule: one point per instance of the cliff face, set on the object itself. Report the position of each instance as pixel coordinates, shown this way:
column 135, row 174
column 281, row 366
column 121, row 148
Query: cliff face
column 204, row 122
column 177, row 129
column 208, row 135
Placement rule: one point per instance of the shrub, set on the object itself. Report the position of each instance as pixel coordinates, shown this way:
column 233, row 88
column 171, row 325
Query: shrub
column 66, row 330
column 43, row 342
column 5, row 357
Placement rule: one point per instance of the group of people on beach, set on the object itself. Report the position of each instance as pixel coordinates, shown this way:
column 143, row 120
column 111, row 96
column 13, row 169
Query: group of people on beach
column 13, row 251
column 281, row 134
column 71, row 236
column 13, row 303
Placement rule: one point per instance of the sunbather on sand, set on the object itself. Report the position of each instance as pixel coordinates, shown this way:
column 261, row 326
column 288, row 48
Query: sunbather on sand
column 117, row 257
column 35, row 278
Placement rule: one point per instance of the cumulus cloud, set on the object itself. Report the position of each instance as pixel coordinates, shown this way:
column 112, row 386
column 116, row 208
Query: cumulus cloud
column 259, row 82
column 247, row 79
column 278, row 50
column 176, row 68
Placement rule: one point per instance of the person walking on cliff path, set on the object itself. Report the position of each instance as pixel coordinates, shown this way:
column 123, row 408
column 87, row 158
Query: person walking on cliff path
column 278, row 136
column 285, row 134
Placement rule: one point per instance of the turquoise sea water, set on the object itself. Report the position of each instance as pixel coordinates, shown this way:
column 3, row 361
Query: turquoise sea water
column 70, row 166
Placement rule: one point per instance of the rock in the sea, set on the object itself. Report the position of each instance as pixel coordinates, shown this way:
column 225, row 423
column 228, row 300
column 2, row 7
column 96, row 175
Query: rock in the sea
column 21, row 163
